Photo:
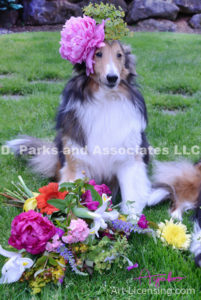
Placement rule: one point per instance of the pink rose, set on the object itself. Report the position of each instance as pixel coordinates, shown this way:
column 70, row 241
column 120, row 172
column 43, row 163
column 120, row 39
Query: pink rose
column 143, row 223
column 79, row 39
column 31, row 231
column 78, row 232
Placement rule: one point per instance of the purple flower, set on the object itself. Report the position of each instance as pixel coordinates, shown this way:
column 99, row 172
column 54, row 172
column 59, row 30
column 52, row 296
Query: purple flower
column 87, row 198
column 143, row 223
column 60, row 231
column 31, row 231
column 128, row 227
column 68, row 255
column 61, row 279
column 109, row 235
column 88, row 202
column 132, row 267
column 101, row 189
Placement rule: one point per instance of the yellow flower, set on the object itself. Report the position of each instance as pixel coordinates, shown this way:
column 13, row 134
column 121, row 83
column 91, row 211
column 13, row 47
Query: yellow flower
column 76, row 248
column 175, row 234
column 31, row 203
column 122, row 218
column 83, row 248
column 58, row 273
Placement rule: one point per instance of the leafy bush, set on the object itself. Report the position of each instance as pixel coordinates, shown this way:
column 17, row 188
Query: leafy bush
column 9, row 4
column 115, row 27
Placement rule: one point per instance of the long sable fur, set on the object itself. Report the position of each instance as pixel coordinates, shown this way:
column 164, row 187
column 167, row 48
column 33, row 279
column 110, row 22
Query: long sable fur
column 76, row 91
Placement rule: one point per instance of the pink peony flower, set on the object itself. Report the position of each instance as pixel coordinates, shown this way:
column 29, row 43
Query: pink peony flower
column 87, row 198
column 78, row 232
column 80, row 38
column 143, row 223
column 31, row 231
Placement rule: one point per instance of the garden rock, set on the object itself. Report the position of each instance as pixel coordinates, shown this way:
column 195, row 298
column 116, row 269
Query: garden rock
column 156, row 25
column 75, row 1
column 143, row 9
column 195, row 21
column 8, row 18
column 46, row 12
column 42, row 12
column 189, row 6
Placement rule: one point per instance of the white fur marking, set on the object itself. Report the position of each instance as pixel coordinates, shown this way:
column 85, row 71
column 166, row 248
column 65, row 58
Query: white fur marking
column 135, row 186
column 177, row 214
column 111, row 69
column 157, row 195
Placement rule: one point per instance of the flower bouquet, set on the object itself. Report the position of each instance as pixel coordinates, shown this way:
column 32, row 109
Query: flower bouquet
column 68, row 226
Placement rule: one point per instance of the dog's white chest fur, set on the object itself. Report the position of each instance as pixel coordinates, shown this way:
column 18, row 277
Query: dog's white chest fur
column 111, row 120
column 111, row 124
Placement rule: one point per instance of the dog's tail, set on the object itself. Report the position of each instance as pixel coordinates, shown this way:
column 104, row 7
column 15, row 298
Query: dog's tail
column 166, row 175
column 196, row 236
column 169, row 172
column 43, row 156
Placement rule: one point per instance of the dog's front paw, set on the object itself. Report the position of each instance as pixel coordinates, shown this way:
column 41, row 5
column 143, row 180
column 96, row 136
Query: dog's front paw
column 176, row 214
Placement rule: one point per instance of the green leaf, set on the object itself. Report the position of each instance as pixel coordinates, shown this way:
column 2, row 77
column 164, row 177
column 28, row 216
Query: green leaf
column 66, row 186
column 83, row 213
column 89, row 263
column 59, row 224
column 71, row 200
column 41, row 260
column 53, row 262
column 95, row 195
column 58, row 203
column 79, row 182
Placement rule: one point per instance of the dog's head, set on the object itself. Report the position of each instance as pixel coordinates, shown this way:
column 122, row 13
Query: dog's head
column 113, row 63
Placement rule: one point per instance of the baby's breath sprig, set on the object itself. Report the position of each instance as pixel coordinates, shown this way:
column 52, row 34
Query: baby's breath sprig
column 115, row 27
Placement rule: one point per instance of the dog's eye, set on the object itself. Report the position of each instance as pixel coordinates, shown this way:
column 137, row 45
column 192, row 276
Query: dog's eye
column 119, row 55
column 99, row 54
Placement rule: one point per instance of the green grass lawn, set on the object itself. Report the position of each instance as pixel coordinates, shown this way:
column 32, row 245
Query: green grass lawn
column 169, row 68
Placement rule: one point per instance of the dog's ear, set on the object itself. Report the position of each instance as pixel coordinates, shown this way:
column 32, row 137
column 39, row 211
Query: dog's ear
column 130, row 62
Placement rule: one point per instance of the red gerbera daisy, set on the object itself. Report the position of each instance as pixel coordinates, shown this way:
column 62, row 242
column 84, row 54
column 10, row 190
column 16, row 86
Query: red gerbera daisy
column 48, row 192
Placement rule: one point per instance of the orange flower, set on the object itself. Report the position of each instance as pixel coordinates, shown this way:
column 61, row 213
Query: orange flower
column 48, row 192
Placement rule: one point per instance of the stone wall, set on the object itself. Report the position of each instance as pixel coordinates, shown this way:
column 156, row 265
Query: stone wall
column 143, row 11
column 159, row 14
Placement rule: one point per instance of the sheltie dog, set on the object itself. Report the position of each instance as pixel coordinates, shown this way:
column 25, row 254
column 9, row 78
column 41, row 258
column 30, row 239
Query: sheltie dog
column 100, row 125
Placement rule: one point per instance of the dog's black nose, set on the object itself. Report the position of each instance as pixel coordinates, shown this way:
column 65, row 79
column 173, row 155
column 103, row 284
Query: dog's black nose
column 112, row 79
